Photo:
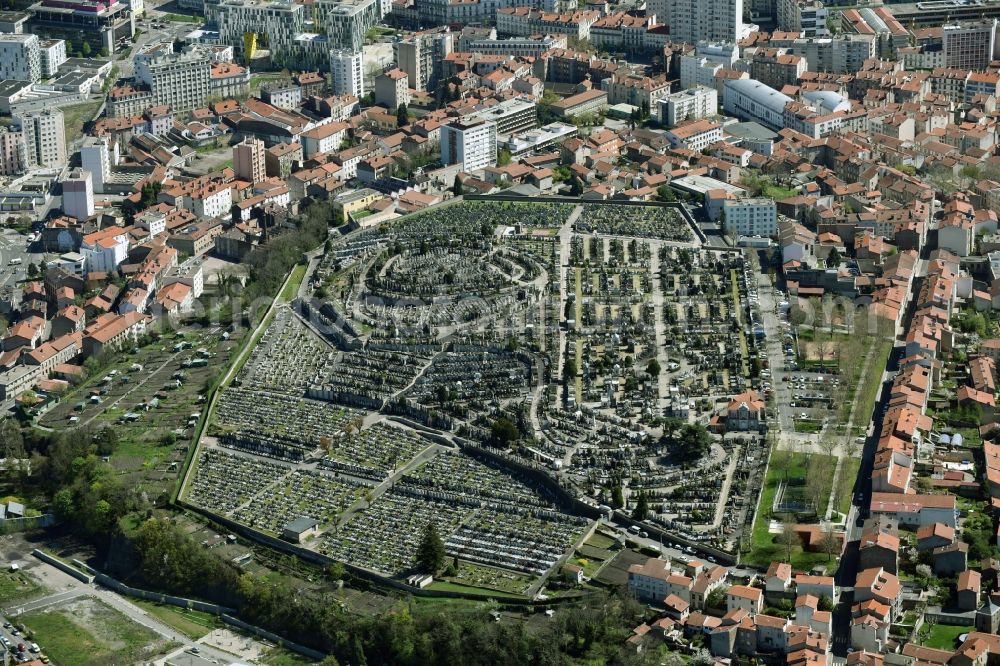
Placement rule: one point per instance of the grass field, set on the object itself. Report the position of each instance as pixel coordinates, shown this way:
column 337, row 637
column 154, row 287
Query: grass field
column 282, row 657
column 848, row 474
column 87, row 632
column 944, row 636
column 16, row 586
column 870, row 385
column 184, row 18
column 193, row 624
column 292, row 286
column 78, row 115
column 764, row 546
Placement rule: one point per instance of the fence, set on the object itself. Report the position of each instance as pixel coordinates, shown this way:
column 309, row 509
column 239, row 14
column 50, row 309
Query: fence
column 8, row 525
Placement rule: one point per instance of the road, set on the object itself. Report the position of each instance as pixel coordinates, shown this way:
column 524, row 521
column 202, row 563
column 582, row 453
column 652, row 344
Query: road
column 14, row 246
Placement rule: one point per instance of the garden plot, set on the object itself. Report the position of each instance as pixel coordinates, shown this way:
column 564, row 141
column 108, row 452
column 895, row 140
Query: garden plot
column 288, row 358
column 276, row 425
column 302, row 493
column 662, row 222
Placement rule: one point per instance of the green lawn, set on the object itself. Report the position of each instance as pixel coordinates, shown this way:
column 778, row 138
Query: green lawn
column 944, row 636
column 870, row 385
column 191, row 623
column 184, row 18
column 292, row 286
column 764, row 547
column 78, row 115
column 808, row 426
column 282, row 657
column 848, row 474
column 16, row 586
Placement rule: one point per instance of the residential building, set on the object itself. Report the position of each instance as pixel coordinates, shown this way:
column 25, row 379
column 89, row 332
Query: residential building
column 248, row 160
column 696, row 20
column 52, row 54
column 323, row 139
column 751, row 216
column 95, row 158
column 709, row 58
column 392, row 89
column 346, row 67
column 182, row 80
column 691, row 104
column 20, row 57
column 473, row 145
column 589, row 101
column 804, row 16
column 648, row 581
column 78, row 194
column 969, row 45
column 13, row 153
column 44, row 137
column 421, row 57
column 695, row 134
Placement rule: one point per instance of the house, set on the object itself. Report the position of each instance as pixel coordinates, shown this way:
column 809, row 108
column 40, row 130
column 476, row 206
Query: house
column 881, row 587
column 746, row 412
column 916, row 510
column 967, row 590
column 648, row 581
column 951, row 559
column 879, row 550
column 934, row 536
column 741, row 597
column 300, row 529
column 818, row 586
column 778, row 578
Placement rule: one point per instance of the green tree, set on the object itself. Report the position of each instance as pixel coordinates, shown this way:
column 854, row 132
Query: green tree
column 430, row 553
column 664, row 193
column 85, row 50
column 504, row 158
column 456, row 187
column 641, row 511
column 32, row 271
column 617, row 496
column 569, row 372
column 653, row 368
column 402, row 116
column 503, row 432
column 833, row 259
column 575, row 186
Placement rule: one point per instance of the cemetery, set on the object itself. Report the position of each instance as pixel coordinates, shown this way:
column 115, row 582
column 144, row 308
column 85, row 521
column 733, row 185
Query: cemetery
column 604, row 336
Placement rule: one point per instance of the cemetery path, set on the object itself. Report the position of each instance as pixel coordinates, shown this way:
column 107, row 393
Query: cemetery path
column 721, row 505
column 565, row 238
column 388, row 483
column 659, row 326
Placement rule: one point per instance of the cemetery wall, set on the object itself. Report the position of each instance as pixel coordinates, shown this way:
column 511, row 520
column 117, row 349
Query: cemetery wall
column 62, row 566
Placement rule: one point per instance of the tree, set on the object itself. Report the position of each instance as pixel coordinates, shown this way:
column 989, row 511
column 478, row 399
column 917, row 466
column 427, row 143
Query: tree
column 833, row 259
column 85, row 50
column 653, row 368
column 569, row 372
column 456, row 186
column 641, row 511
column 575, row 186
column 430, row 553
column 617, row 496
column 504, row 158
column 829, row 543
column 503, row 432
column 402, row 116
column 664, row 193
column 32, row 270
column 788, row 538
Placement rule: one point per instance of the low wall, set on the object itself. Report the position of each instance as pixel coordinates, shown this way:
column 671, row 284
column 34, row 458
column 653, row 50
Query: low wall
column 62, row 566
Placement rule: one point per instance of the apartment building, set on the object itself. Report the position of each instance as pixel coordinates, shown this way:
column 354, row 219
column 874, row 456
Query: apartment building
column 347, row 21
column 525, row 21
column 777, row 68
column 510, row 116
column 804, row 16
column 44, row 137
column 248, row 160
column 691, row 104
column 13, row 154
column 421, row 56
column 969, row 45
column 473, row 145
column 347, row 72
column 694, row 134
column 182, row 80
column 640, row 91
column 709, row 58
column 52, row 54
column 78, row 194
column 751, row 216
column 697, row 20
column 323, row 139
column 20, row 57
column 392, row 89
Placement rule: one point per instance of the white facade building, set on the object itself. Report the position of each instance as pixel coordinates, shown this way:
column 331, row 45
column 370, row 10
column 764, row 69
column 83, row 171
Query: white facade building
column 751, row 216
column 78, row 194
column 44, row 137
column 96, row 159
column 20, row 57
column 691, row 104
column 701, row 20
column 348, row 72
column 53, row 55
column 752, row 100
column 473, row 145
column 182, row 80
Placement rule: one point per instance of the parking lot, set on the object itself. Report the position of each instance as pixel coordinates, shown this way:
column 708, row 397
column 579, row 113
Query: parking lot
column 15, row 258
